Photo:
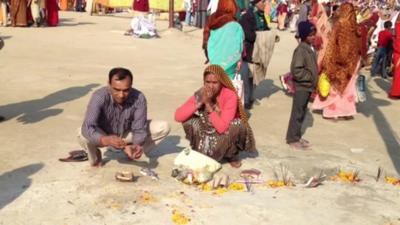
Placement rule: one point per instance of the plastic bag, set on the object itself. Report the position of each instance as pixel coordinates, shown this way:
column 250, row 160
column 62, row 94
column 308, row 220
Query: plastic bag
column 238, row 84
column 324, row 85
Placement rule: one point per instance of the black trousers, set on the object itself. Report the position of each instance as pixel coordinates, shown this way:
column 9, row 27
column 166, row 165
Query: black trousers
column 299, row 110
column 247, row 78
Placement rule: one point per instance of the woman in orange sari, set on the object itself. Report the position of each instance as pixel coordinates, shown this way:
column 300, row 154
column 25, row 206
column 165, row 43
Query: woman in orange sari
column 3, row 13
column 341, row 63
column 18, row 13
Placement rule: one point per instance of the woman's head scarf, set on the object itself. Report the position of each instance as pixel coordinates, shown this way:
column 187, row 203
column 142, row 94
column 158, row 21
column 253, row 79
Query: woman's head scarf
column 226, row 12
column 226, row 82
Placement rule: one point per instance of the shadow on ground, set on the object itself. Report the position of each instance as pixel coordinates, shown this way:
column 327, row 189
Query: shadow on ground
column 265, row 89
column 5, row 37
column 33, row 111
column 167, row 146
column 371, row 108
column 16, row 182
column 384, row 84
column 308, row 122
column 68, row 22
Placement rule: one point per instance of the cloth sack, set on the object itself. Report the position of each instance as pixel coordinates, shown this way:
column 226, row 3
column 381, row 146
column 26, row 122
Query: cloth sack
column 196, row 161
column 143, row 27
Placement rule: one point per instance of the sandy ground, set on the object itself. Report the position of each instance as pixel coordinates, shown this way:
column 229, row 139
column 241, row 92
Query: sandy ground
column 48, row 75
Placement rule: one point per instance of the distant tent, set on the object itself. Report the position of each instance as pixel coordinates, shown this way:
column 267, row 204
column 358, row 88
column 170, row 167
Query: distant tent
column 160, row 5
column 115, row 3
column 163, row 5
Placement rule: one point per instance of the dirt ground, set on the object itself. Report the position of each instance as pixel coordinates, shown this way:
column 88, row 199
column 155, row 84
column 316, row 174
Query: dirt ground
column 48, row 75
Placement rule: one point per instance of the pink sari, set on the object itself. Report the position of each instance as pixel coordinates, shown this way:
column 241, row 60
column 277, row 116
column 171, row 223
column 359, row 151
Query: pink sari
column 336, row 105
column 323, row 29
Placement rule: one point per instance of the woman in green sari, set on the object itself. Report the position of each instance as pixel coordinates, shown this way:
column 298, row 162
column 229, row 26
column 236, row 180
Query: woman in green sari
column 223, row 38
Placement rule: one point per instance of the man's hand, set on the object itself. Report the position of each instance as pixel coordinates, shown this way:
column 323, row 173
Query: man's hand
column 133, row 151
column 113, row 141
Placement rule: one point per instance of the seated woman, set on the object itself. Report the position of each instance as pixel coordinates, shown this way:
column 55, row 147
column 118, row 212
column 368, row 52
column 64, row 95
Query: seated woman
column 214, row 120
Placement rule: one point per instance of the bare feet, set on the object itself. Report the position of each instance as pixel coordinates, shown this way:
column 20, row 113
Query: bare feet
column 235, row 163
column 305, row 143
column 298, row 146
column 129, row 152
column 99, row 160
column 138, row 154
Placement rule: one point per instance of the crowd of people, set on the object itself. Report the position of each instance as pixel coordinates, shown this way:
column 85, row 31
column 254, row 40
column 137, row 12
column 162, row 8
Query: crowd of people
column 335, row 41
column 23, row 13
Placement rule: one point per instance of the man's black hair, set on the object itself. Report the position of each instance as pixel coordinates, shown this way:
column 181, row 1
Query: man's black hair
column 120, row 73
column 388, row 24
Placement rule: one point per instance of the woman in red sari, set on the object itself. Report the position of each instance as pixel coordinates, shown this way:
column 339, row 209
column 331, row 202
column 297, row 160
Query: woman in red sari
column 52, row 12
column 395, row 90
column 141, row 5
column 282, row 13
column 366, row 28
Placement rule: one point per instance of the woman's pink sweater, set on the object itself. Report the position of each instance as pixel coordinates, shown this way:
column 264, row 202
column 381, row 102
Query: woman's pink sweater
column 227, row 101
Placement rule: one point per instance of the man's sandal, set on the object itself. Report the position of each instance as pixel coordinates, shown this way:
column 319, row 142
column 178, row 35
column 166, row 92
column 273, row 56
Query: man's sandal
column 75, row 156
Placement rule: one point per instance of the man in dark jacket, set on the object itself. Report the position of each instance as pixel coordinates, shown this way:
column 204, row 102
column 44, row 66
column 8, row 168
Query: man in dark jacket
column 304, row 13
column 305, row 72
column 251, row 21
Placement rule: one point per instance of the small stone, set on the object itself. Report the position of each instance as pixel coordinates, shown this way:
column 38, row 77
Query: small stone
column 357, row 150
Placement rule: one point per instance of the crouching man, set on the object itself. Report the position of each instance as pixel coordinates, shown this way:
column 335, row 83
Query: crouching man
column 117, row 117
